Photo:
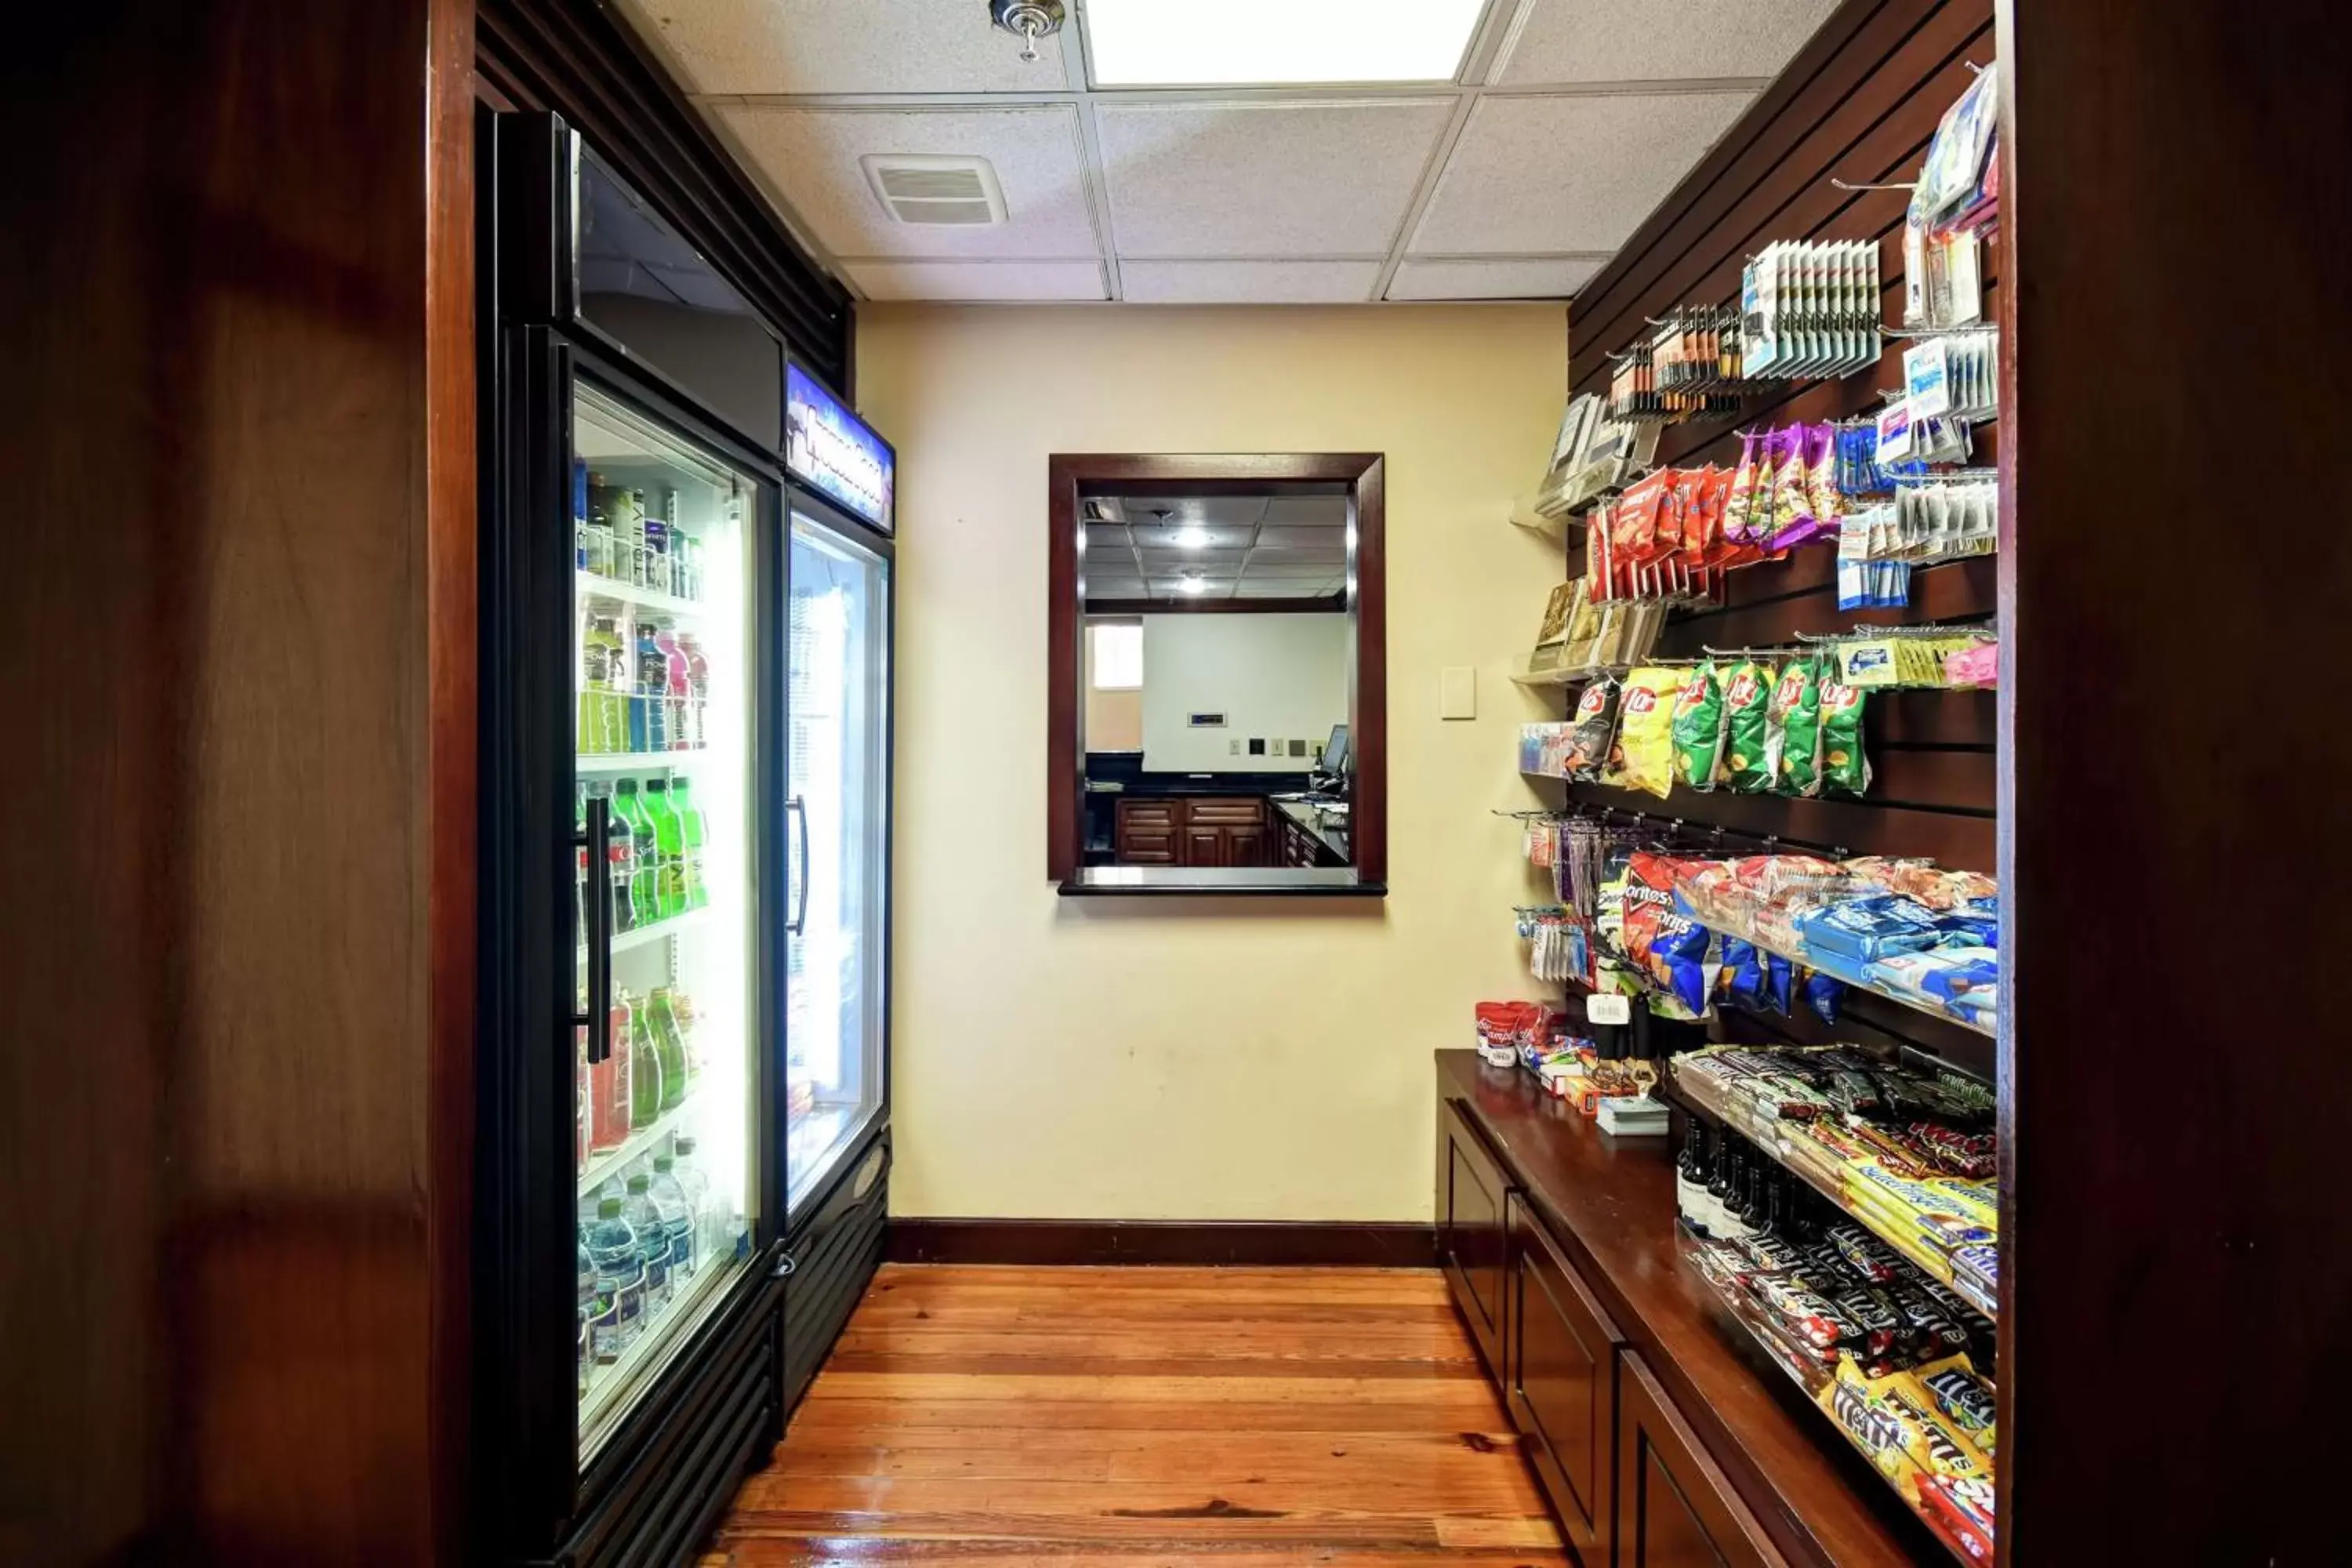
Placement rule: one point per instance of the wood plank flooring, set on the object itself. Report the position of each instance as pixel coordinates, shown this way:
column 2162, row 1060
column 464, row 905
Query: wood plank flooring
column 1122, row 1417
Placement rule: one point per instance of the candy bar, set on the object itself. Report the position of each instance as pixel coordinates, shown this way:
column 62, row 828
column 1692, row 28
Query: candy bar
column 1965, row 1399
column 1865, row 1253
column 1801, row 1311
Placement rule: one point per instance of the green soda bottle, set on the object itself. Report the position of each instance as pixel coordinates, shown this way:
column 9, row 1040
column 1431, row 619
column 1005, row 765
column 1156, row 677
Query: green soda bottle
column 670, row 1043
column 670, row 837
column 649, row 1092
column 689, row 822
column 644, row 849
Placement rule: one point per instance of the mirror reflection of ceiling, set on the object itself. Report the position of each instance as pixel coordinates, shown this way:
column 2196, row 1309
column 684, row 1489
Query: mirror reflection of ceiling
column 1513, row 174
column 625, row 249
column 1233, row 547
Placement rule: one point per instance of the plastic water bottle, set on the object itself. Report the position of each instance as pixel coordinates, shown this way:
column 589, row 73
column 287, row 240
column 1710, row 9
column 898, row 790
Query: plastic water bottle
column 652, row 1235
column 612, row 1247
column 695, row 1185
column 592, row 1306
column 677, row 1217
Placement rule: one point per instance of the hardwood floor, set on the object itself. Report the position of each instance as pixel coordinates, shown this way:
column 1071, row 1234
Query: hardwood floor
column 1122, row 1417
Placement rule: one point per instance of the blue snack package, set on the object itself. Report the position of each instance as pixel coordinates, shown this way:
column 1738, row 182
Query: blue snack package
column 1743, row 972
column 1825, row 993
column 1777, row 977
column 1678, row 956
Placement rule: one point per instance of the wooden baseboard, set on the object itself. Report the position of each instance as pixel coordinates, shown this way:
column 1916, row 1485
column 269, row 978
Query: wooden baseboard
column 1335, row 1243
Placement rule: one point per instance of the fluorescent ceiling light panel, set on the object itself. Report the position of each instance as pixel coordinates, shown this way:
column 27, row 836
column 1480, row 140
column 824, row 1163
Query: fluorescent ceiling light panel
column 1189, row 538
column 1205, row 43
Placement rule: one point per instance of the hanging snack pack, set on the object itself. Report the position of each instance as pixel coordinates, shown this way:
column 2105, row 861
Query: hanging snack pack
column 1596, row 727
column 1798, row 699
column 1844, row 770
column 1644, row 756
column 1747, row 692
column 1698, row 728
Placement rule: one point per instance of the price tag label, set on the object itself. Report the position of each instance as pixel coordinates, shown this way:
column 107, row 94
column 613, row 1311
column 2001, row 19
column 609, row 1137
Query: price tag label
column 1608, row 1009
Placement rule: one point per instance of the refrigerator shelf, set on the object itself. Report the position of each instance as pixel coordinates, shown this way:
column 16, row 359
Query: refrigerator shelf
column 641, row 1143
column 645, row 936
column 594, row 587
column 611, row 1385
column 638, row 762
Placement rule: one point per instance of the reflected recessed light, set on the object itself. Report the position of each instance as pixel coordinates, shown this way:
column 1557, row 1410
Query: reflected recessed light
column 1189, row 538
column 1191, row 586
column 1178, row 43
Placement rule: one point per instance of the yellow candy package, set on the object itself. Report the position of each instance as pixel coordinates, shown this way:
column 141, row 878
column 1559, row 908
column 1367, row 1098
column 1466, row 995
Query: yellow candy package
column 1644, row 756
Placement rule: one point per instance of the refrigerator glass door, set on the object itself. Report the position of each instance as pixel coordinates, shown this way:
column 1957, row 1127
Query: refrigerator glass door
column 839, row 681
column 663, row 1146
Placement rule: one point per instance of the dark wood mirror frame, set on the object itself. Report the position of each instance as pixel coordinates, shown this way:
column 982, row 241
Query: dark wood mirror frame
column 1072, row 477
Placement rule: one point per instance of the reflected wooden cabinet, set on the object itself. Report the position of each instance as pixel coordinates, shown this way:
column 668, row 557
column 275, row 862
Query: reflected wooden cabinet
column 1472, row 1195
column 1174, row 830
column 1675, row 1509
column 1560, row 1379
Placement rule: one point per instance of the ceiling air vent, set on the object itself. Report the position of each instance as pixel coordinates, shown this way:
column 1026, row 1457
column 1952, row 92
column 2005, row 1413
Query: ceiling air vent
column 927, row 188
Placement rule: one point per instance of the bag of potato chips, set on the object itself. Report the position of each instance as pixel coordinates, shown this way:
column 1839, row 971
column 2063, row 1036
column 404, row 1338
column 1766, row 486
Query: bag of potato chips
column 1644, row 757
column 1798, row 701
column 1747, row 689
column 1699, row 727
column 1844, row 770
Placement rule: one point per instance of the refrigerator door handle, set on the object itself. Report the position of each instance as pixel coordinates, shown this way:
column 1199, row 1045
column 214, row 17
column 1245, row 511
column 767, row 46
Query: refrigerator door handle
column 595, row 841
column 798, row 924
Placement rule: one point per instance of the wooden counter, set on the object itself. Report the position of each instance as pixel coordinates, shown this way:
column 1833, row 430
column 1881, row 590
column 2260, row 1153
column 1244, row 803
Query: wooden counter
column 1607, row 1206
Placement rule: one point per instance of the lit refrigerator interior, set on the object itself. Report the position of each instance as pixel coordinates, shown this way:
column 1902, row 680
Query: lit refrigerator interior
column 663, row 610
column 838, row 695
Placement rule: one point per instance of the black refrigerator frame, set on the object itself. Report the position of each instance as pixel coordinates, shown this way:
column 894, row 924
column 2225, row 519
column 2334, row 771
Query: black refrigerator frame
column 668, row 1470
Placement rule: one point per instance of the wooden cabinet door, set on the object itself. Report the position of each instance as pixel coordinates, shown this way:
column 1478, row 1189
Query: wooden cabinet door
column 1560, row 1382
column 1472, row 1191
column 1675, row 1508
column 1246, row 847
column 1146, row 832
column 1203, row 847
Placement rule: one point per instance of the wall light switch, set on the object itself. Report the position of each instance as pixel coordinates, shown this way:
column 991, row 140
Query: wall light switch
column 1457, row 692
column 1233, row 748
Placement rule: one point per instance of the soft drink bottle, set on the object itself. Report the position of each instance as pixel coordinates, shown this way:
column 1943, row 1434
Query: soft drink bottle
column 648, row 691
column 689, row 833
column 675, row 691
column 653, row 1242
column 677, row 1073
column 671, row 843
column 620, row 860
column 698, row 692
column 646, row 1088
column 613, row 1252
column 676, row 1211
column 609, row 1089
column 645, row 853
column 580, row 860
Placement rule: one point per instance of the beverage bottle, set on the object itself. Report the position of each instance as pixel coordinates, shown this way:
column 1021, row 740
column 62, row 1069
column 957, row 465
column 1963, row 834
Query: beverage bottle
column 670, row 842
column 695, row 1185
column 620, row 860
column 648, row 694
column 609, row 1089
column 591, row 1308
column 675, row 690
column 582, row 1096
column 697, row 691
column 579, row 861
column 600, row 525
column 599, row 643
column 628, row 509
column 613, row 1251
column 579, row 515
column 677, row 1071
column 653, row 1242
column 678, row 1212
column 689, row 834
column 646, row 1088
column 656, row 555
column 645, row 853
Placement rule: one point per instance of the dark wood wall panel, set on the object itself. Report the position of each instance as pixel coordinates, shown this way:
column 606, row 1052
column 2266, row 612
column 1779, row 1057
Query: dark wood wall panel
column 1861, row 104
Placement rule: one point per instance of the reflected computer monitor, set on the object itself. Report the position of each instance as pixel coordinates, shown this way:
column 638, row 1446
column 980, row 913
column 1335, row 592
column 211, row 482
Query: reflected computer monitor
column 1334, row 759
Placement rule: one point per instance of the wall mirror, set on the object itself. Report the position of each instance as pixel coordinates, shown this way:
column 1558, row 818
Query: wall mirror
column 1217, row 675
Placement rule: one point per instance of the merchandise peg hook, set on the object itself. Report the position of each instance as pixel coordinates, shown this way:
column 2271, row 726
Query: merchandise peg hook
column 1841, row 185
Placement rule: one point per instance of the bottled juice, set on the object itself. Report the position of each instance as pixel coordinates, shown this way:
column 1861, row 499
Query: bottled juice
column 697, row 691
column 690, row 829
column 648, row 705
column 646, row 1090
column 645, row 853
column 600, row 656
column 670, row 844
column 675, row 689
column 609, row 1089
column 677, row 1070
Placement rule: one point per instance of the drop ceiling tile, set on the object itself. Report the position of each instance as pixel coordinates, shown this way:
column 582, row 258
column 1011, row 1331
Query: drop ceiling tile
column 810, row 157
column 1251, row 588
column 1513, row 278
column 1206, row 512
column 1279, row 570
column 1286, row 540
column 1247, row 282
column 1114, row 587
column 1536, row 175
column 833, row 46
column 1653, row 40
column 1151, row 538
column 1297, row 512
column 979, row 280
column 1209, row 561
column 1102, row 536
column 1332, row 177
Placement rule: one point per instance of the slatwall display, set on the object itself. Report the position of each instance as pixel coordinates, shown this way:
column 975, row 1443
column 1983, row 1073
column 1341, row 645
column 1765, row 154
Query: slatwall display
column 1859, row 104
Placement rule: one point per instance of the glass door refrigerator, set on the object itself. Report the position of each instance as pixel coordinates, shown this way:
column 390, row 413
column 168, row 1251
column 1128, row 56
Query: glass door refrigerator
column 682, row 1125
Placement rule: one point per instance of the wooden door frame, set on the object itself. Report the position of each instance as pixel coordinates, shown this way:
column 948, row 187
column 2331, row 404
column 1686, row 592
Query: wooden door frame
column 1072, row 476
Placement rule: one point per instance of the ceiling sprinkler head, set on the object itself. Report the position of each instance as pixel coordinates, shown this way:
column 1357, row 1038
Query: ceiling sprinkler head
column 1029, row 20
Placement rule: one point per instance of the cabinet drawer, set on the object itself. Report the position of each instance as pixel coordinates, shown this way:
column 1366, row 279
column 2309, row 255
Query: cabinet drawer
column 1675, row 1509
column 1161, row 814
column 1471, row 1193
column 1225, row 813
column 1560, row 1382
column 1146, row 845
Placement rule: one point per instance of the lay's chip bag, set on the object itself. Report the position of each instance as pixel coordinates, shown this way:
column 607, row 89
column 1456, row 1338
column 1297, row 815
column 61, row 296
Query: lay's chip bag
column 1699, row 727
column 1747, row 689
column 1644, row 756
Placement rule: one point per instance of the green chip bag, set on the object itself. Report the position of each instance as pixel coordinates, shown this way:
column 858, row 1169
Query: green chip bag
column 1747, row 689
column 1699, row 727
column 1844, row 770
column 1797, row 701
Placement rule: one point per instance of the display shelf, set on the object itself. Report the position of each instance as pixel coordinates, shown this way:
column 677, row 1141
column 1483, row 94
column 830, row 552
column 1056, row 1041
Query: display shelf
column 1810, row 1378
column 637, row 762
column 598, row 588
column 658, row 1341
column 645, row 936
column 641, row 1141
column 1550, row 679
column 1900, row 1000
column 1557, row 529
column 1695, row 1094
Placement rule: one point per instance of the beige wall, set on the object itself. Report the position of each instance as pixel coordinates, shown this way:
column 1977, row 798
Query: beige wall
column 1114, row 719
column 1263, row 1059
